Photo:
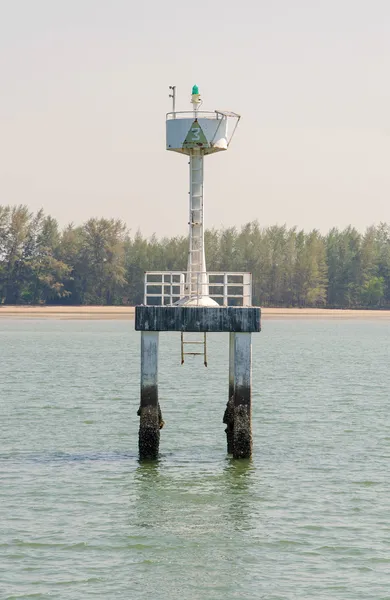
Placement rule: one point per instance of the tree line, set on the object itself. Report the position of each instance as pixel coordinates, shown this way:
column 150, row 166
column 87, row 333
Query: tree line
column 100, row 262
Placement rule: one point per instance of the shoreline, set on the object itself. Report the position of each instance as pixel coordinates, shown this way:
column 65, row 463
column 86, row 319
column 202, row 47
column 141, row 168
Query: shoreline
column 127, row 313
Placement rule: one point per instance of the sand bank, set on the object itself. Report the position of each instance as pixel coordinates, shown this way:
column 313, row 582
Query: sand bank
column 67, row 312
column 323, row 313
column 127, row 313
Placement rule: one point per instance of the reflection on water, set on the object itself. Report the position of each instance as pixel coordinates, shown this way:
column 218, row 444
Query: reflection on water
column 239, row 477
column 221, row 498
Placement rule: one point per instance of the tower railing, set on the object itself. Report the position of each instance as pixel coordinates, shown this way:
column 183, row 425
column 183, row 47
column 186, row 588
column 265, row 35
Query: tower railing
column 166, row 288
column 203, row 114
column 188, row 114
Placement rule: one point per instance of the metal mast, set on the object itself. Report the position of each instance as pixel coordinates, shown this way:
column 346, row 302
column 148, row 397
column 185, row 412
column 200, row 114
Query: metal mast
column 197, row 133
column 196, row 284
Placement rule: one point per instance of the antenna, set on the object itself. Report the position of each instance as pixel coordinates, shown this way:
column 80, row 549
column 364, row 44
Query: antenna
column 173, row 96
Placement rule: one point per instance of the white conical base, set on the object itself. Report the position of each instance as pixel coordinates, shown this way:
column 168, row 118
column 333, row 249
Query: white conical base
column 201, row 301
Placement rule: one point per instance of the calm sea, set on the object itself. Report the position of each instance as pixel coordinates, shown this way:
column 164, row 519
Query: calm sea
column 308, row 518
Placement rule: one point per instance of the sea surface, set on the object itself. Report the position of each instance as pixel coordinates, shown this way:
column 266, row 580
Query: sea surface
column 307, row 519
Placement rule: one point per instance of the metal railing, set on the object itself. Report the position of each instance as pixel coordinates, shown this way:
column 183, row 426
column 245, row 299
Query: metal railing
column 166, row 288
column 203, row 114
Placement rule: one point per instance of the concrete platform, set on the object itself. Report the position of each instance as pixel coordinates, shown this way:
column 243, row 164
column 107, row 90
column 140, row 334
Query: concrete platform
column 229, row 319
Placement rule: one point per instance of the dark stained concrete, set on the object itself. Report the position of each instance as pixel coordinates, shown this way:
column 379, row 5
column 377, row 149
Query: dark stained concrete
column 194, row 318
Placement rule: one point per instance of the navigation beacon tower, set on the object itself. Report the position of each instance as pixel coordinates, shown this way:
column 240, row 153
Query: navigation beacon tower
column 197, row 133
column 196, row 300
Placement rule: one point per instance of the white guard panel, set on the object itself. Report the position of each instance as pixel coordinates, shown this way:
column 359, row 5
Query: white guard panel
column 209, row 134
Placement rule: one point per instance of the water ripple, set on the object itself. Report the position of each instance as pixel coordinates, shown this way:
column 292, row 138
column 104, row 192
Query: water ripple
column 306, row 519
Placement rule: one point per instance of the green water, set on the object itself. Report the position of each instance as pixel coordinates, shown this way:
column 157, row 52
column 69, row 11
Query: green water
column 308, row 518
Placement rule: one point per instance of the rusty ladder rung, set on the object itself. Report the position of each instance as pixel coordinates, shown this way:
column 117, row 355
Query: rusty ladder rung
column 189, row 342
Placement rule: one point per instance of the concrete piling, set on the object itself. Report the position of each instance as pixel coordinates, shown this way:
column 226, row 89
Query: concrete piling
column 149, row 410
column 242, row 427
column 228, row 417
column 239, row 322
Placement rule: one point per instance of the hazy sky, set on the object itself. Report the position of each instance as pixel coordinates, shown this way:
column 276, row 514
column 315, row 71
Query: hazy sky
column 84, row 93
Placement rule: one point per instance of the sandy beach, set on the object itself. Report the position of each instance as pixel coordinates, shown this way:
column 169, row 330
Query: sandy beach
column 67, row 312
column 127, row 313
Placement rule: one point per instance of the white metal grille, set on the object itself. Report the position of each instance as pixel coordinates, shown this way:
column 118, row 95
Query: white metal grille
column 164, row 288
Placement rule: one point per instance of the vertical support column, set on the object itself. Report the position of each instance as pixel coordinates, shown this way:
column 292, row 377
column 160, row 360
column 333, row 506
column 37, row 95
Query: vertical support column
column 242, row 427
column 247, row 289
column 196, row 284
column 228, row 417
column 149, row 410
column 225, row 291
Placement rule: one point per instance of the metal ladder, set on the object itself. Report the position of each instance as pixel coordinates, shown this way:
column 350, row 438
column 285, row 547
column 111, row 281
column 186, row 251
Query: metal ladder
column 196, row 266
column 194, row 342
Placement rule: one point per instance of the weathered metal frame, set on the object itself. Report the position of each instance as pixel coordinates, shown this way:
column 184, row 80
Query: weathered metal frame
column 227, row 115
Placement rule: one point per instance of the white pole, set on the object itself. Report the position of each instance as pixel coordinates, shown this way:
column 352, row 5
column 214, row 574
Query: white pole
column 196, row 268
column 196, row 285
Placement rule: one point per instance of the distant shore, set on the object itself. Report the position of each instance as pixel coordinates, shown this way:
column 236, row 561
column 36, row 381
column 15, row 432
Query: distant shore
column 127, row 313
